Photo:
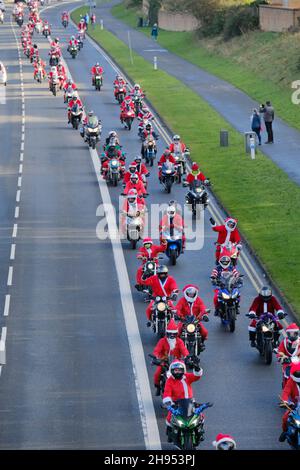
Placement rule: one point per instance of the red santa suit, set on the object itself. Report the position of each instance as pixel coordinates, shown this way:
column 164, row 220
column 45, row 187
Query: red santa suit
column 160, row 289
column 131, row 210
column 225, row 235
column 124, row 107
column 197, row 308
column 259, row 307
column 97, row 70
column 217, row 273
column 290, row 392
column 166, row 348
column 289, row 349
column 191, row 178
column 119, row 84
column 71, row 103
column 177, row 222
column 176, row 389
column 138, row 186
column 127, row 176
column 147, row 254
column 178, row 147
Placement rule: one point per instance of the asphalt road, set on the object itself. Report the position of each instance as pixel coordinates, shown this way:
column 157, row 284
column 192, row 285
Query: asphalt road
column 68, row 382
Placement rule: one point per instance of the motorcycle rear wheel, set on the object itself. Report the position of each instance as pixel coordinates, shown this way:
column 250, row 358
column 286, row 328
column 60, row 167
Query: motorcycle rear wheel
column 173, row 258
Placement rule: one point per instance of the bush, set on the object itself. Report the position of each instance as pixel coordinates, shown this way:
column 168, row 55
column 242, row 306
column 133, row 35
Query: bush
column 239, row 20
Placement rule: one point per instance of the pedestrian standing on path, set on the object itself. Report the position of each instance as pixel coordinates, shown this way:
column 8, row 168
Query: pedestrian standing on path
column 86, row 20
column 256, row 124
column 154, row 32
column 268, row 111
column 93, row 20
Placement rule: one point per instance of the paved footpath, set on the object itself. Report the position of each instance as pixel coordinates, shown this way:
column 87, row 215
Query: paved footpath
column 234, row 105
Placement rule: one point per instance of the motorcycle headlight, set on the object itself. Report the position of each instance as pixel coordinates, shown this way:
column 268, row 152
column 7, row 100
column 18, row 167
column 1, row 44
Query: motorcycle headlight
column 178, row 421
column 114, row 163
column 297, row 422
column 190, row 328
column 194, row 421
column 265, row 329
column 150, row 266
column 161, row 306
column 168, row 172
column 157, row 299
column 235, row 294
column 225, row 296
column 198, row 190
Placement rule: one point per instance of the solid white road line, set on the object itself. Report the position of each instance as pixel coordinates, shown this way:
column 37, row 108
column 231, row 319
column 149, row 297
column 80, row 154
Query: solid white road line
column 6, row 305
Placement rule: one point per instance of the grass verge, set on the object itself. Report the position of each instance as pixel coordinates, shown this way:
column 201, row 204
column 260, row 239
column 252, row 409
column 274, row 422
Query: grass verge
column 257, row 192
column 262, row 64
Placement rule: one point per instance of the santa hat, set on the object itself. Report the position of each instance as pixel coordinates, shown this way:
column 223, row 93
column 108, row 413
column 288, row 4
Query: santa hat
column 188, row 286
column 147, row 240
column 223, row 438
column 172, row 327
column 195, row 166
column 292, row 328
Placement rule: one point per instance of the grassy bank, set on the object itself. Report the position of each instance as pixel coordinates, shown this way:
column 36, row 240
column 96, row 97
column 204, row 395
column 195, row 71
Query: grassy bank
column 257, row 192
column 262, row 64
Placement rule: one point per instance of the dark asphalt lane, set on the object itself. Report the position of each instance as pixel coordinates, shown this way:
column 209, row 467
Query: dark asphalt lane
column 68, row 382
column 243, row 389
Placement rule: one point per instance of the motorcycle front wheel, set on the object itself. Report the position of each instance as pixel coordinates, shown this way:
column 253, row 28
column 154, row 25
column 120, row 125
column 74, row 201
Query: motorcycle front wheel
column 268, row 353
column 188, row 442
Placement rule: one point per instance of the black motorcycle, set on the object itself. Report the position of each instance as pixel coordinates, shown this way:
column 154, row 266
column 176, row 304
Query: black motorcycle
column 228, row 298
column 164, row 364
column 293, row 424
column 137, row 101
column 191, row 334
column 267, row 334
column 196, row 197
column 76, row 116
column 161, row 315
column 168, row 175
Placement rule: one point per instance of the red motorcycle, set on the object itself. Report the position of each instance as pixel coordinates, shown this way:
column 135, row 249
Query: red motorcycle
column 127, row 117
column 120, row 93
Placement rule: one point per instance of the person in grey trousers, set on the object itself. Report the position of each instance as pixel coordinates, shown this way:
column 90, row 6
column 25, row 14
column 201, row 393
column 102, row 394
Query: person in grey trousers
column 268, row 111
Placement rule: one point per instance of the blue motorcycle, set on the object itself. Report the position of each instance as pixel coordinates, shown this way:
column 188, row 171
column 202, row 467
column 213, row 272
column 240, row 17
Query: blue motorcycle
column 228, row 298
column 293, row 422
column 173, row 238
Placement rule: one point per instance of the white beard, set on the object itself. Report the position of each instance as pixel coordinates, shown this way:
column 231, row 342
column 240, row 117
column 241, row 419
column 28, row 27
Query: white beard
column 172, row 343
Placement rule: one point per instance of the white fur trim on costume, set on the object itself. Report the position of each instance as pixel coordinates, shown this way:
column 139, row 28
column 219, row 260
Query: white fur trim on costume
column 185, row 387
column 198, row 373
column 165, row 400
column 224, row 439
column 251, row 328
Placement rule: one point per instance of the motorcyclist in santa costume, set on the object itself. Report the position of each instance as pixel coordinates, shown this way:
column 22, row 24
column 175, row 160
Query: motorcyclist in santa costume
column 169, row 346
column 179, row 386
column 196, row 174
column 166, row 157
column 192, row 304
column 289, row 350
column 226, row 233
column 148, row 252
column 162, row 285
column 172, row 218
column 224, row 442
column 135, row 183
column 290, row 393
column 265, row 302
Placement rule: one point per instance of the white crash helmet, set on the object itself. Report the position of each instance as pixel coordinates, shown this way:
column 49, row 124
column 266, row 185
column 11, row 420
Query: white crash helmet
column 171, row 211
column 190, row 293
column 176, row 138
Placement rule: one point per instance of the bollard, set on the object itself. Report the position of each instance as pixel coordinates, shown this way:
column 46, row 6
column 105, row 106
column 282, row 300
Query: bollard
column 101, row 24
column 155, row 62
column 252, row 146
column 223, row 138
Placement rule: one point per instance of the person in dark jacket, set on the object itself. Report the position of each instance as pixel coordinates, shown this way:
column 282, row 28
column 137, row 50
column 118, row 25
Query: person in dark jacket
column 268, row 111
column 154, row 32
column 256, row 124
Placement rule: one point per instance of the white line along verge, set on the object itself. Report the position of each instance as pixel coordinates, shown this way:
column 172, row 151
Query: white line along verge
column 142, row 384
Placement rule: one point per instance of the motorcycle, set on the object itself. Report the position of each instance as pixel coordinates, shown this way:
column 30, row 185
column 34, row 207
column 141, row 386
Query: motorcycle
column 149, row 150
column 76, row 116
column 92, row 133
column 168, row 175
column 98, row 82
column 267, row 335
column 65, row 23
column 53, row 60
column 134, row 228
column 137, row 101
column 73, row 51
column 196, row 197
column 69, row 94
column 120, row 95
column 187, row 423
column 80, row 42
column 164, row 364
column 114, row 171
column 39, row 75
column 191, row 335
column 39, row 27
column 161, row 314
column 46, row 31
column 20, row 20
column 128, row 117
column 293, row 424
column 232, row 248
column 228, row 298
column 53, row 85
column 180, row 158
column 173, row 236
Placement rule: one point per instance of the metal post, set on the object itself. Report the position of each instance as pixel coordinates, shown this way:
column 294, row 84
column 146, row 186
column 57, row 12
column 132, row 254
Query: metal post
column 101, row 24
column 252, row 146
column 155, row 62
column 130, row 48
